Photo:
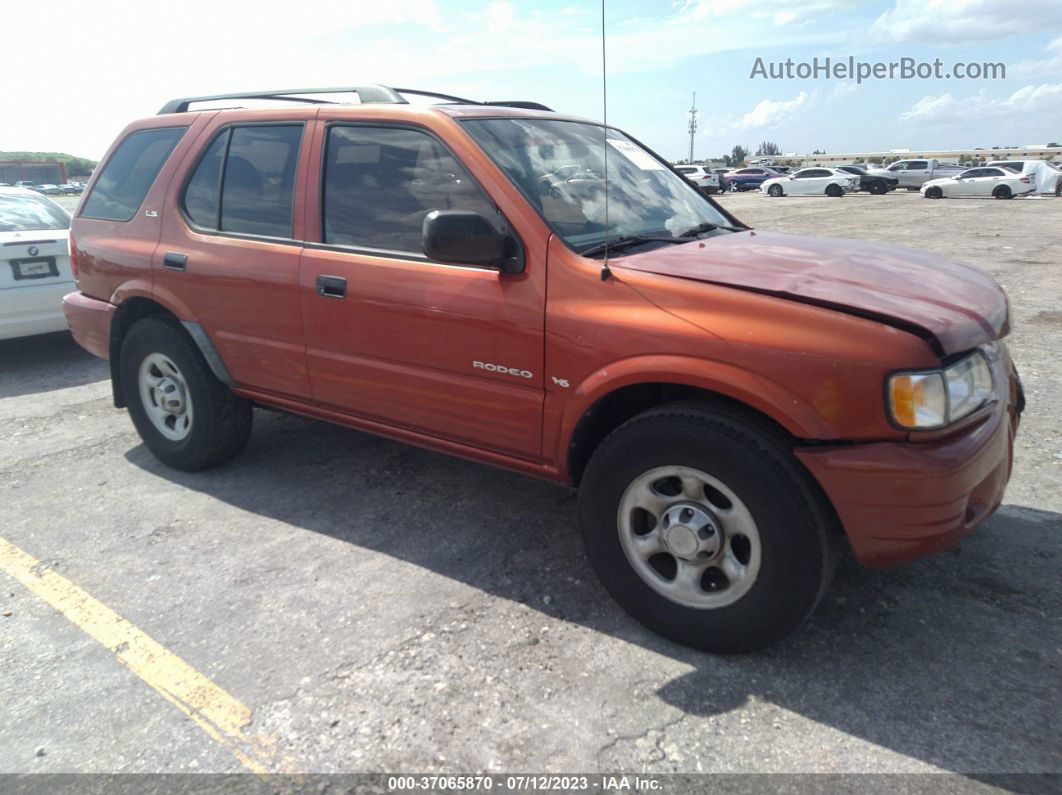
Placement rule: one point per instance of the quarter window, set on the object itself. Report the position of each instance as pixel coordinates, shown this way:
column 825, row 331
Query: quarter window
column 380, row 182
column 245, row 182
column 128, row 175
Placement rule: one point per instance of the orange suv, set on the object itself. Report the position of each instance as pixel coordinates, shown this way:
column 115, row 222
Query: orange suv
column 543, row 293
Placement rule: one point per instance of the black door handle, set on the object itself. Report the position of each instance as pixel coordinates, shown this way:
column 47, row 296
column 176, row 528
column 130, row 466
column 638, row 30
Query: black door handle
column 332, row 286
column 174, row 261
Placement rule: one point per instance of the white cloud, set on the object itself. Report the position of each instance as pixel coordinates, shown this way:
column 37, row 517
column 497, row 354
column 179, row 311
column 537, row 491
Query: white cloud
column 959, row 21
column 1032, row 102
column 1040, row 67
column 768, row 116
column 844, row 88
column 772, row 112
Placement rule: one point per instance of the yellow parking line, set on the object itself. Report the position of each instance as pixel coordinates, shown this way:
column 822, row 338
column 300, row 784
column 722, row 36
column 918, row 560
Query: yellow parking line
column 215, row 711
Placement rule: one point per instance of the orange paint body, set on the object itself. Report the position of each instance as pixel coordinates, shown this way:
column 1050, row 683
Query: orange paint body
column 402, row 355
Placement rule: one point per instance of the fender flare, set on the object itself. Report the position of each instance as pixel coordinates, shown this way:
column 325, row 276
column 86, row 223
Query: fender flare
column 138, row 289
column 743, row 386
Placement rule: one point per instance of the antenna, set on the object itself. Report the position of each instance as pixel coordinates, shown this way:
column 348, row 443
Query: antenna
column 605, row 271
column 693, row 124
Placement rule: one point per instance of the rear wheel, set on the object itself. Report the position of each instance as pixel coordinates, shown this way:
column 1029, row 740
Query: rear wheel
column 834, row 191
column 934, row 193
column 878, row 188
column 702, row 525
column 1003, row 192
column 774, row 190
column 184, row 414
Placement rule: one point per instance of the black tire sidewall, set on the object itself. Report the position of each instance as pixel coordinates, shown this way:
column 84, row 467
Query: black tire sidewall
column 793, row 552
column 200, row 448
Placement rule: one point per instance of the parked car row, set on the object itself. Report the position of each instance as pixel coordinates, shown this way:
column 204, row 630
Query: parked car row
column 935, row 180
column 48, row 189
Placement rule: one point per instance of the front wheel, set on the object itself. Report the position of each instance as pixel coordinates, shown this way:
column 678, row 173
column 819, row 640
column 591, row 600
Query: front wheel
column 878, row 189
column 184, row 414
column 1003, row 192
column 703, row 526
column 934, row 193
column 774, row 190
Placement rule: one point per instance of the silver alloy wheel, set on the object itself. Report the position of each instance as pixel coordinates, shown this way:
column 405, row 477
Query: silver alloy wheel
column 689, row 537
column 164, row 393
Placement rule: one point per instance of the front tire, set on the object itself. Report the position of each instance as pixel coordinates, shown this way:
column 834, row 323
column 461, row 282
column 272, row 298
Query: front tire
column 183, row 413
column 878, row 189
column 934, row 193
column 702, row 526
column 774, row 190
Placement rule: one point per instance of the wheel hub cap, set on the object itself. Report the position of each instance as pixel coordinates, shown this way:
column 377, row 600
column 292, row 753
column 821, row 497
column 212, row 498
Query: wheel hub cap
column 690, row 532
column 168, row 395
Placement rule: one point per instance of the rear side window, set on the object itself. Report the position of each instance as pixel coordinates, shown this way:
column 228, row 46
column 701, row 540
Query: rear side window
column 129, row 174
column 245, row 181
column 380, row 182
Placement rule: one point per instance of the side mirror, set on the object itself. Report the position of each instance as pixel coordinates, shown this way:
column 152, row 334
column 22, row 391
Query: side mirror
column 468, row 238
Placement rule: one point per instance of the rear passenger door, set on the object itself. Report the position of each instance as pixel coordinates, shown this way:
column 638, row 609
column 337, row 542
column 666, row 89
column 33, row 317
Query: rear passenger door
column 454, row 351
column 229, row 257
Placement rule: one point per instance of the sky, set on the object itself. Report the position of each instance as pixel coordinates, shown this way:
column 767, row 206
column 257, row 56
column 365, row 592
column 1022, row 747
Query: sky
column 82, row 69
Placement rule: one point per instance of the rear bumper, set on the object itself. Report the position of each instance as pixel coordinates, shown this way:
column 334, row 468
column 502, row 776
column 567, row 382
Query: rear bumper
column 25, row 311
column 90, row 322
column 901, row 501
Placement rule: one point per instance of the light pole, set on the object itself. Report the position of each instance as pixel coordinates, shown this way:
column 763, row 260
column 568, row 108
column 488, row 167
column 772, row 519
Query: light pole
column 693, row 124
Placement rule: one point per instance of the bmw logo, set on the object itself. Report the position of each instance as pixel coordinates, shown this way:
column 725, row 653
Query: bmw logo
column 33, row 251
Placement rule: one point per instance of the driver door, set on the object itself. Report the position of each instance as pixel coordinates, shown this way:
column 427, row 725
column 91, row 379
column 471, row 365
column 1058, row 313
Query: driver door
column 448, row 350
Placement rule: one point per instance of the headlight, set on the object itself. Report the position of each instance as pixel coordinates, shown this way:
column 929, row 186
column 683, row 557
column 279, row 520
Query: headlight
column 935, row 398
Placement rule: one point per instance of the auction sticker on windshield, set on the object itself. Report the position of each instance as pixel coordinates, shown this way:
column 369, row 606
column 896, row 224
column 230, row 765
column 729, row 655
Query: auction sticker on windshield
column 637, row 155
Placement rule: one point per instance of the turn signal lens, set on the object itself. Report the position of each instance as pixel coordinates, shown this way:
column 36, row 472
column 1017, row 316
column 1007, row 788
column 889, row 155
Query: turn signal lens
column 918, row 400
column 936, row 398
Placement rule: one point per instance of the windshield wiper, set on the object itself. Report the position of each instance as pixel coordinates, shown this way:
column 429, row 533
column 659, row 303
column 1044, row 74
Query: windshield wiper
column 708, row 227
column 626, row 241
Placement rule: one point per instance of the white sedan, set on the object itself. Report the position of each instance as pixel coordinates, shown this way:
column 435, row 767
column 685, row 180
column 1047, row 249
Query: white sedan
column 34, row 263
column 995, row 181
column 812, row 182
column 704, row 178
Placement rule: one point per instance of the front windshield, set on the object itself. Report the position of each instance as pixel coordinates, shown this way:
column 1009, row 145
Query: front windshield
column 560, row 167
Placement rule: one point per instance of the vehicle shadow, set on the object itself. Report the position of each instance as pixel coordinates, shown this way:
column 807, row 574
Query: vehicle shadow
column 44, row 362
column 954, row 661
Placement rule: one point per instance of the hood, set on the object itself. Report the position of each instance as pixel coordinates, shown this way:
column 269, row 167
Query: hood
column 953, row 306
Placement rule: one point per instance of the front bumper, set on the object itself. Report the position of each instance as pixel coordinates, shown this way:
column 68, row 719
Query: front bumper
column 90, row 322
column 901, row 501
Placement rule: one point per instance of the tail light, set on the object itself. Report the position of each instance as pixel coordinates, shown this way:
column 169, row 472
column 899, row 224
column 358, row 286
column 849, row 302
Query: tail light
column 1024, row 179
column 73, row 256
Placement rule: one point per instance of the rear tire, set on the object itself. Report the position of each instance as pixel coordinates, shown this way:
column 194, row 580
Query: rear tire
column 834, row 191
column 934, row 193
column 183, row 413
column 750, row 574
column 878, row 188
column 775, row 190
column 1003, row 192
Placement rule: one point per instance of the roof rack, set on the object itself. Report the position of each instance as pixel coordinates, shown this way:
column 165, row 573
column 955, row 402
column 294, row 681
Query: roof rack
column 366, row 94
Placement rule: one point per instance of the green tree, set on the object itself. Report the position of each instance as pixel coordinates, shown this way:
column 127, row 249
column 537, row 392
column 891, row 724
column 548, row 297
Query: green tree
column 738, row 155
column 768, row 149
